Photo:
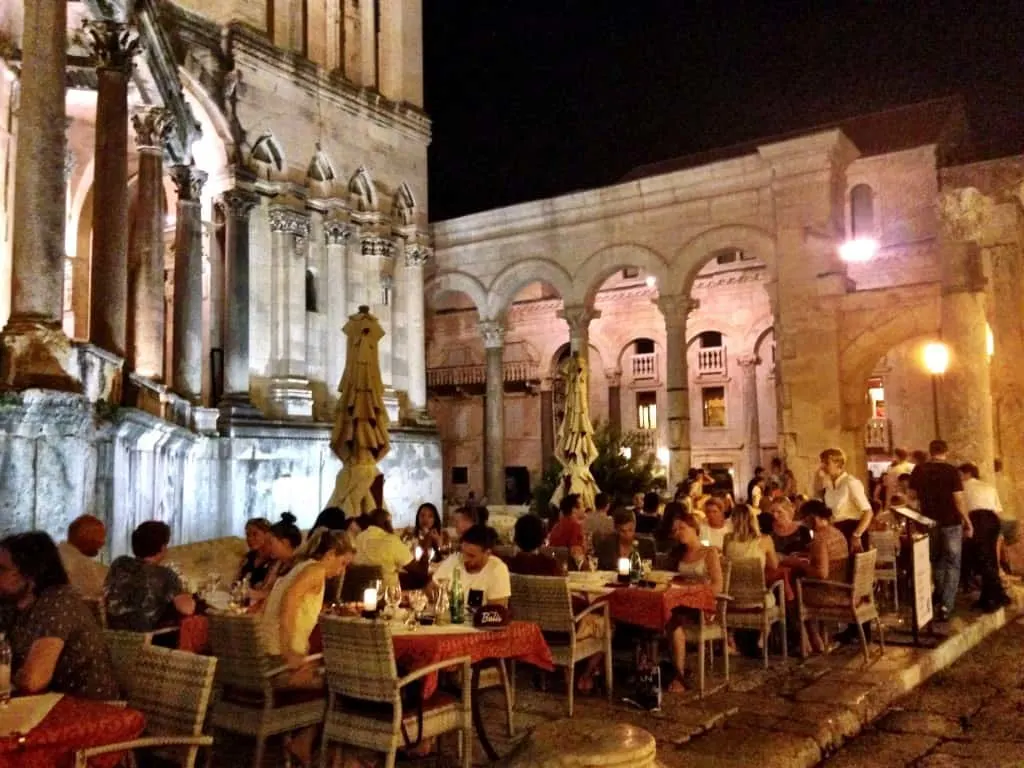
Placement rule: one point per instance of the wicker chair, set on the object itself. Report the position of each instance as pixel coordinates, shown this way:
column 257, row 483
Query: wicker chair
column 356, row 579
column 887, row 544
column 172, row 689
column 755, row 605
column 125, row 648
column 545, row 601
column 365, row 707
column 842, row 602
column 251, row 699
column 704, row 633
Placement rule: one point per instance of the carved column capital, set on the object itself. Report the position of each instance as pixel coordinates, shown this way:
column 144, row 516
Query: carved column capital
column 238, row 203
column 113, row 44
column 375, row 245
column 188, row 181
column 578, row 317
column 675, row 309
column 417, row 255
column 336, row 232
column 493, row 333
column 152, row 127
column 289, row 221
column 748, row 362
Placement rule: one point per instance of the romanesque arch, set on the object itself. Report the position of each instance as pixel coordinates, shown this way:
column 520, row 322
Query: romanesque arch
column 694, row 254
column 457, row 282
column 513, row 279
column 599, row 266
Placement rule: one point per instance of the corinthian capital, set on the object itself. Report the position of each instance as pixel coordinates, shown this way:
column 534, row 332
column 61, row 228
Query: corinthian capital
column 112, row 43
column 493, row 333
column 675, row 309
column 375, row 245
column 417, row 255
column 289, row 221
column 152, row 127
column 748, row 362
column 578, row 317
column 189, row 181
column 238, row 203
column 336, row 232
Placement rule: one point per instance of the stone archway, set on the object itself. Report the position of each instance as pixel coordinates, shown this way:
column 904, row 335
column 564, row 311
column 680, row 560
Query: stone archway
column 509, row 282
column 695, row 253
column 599, row 266
column 457, row 282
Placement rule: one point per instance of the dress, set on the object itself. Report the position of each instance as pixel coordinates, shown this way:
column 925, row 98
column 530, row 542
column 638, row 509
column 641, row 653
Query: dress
column 744, row 550
column 305, row 621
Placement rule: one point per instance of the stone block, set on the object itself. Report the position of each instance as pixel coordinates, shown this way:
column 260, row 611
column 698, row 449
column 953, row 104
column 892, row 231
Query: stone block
column 978, row 752
column 726, row 747
column 899, row 749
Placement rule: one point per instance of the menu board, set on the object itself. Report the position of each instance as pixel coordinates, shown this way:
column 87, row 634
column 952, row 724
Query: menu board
column 922, row 566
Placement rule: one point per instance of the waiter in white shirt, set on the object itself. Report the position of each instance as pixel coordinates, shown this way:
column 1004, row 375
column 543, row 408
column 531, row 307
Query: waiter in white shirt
column 845, row 496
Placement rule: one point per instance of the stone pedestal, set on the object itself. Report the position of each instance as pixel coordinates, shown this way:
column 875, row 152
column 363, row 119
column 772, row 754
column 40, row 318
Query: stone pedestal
column 675, row 310
column 146, row 325
column 114, row 47
column 187, row 339
column 580, row 743
column 494, row 412
column 35, row 350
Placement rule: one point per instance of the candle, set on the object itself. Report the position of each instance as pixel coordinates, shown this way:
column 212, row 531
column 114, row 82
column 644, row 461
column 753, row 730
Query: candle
column 370, row 599
column 623, row 566
column 419, row 553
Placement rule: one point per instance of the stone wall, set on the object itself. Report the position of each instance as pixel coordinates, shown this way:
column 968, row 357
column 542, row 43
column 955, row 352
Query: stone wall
column 61, row 456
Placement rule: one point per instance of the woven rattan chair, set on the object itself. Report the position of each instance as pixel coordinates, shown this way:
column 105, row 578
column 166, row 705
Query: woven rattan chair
column 365, row 707
column 356, row 579
column 755, row 605
column 707, row 631
column 252, row 699
column 842, row 602
column 125, row 648
column 887, row 543
column 172, row 689
column 545, row 601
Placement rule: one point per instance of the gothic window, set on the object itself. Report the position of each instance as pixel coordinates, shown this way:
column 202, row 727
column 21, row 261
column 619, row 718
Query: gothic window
column 320, row 167
column 311, row 298
column 862, row 211
column 713, row 406
column 647, row 410
column 266, row 152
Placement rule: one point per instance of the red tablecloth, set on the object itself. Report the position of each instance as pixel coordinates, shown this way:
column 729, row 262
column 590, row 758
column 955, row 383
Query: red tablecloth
column 652, row 608
column 520, row 640
column 194, row 634
column 71, row 725
column 785, row 574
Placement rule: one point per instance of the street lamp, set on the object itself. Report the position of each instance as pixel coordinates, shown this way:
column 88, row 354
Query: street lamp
column 858, row 250
column 936, row 361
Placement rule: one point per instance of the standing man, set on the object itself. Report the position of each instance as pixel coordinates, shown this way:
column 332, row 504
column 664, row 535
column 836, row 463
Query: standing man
column 891, row 479
column 940, row 492
column 845, row 496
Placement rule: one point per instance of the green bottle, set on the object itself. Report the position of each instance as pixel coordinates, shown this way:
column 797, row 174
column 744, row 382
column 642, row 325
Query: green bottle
column 635, row 564
column 457, row 600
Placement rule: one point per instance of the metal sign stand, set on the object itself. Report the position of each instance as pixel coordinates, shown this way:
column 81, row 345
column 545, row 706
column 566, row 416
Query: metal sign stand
column 920, row 577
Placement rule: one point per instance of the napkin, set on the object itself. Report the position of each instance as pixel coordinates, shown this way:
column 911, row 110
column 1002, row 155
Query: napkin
column 26, row 712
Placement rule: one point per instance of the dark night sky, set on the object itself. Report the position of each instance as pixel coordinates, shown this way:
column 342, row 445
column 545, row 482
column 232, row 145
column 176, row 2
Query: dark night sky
column 535, row 98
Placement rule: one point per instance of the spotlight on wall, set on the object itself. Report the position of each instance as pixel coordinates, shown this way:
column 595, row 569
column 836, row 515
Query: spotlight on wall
column 651, row 281
column 990, row 341
column 859, row 249
column 626, row 452
column 936, row 358
column 663, row 455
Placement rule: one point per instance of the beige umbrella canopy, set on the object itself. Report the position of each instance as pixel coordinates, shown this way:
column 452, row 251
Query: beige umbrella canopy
column 360, row 435
column 575, row 449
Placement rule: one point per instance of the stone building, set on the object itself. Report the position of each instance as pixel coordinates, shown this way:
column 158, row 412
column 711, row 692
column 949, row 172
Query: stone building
column 196, row 196
column 719, row 315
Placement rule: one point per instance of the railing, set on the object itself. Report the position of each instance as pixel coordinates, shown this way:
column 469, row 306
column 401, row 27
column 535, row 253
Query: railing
column 647, row 439
column 645, row 366
column 711, row 360
column 878, row 435
column 461, row 375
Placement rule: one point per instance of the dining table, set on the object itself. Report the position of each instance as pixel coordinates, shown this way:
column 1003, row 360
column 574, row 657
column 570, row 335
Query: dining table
column 71, row 725
column 648, row 604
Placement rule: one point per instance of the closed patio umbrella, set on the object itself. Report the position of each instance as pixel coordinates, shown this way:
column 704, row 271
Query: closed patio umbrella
column 575, row 449
column 360, row 436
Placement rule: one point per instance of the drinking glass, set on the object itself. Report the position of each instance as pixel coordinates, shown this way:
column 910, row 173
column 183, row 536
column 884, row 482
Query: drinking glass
column 392, row 598
column 577, row 557
column 592, row 563
column 646, row 566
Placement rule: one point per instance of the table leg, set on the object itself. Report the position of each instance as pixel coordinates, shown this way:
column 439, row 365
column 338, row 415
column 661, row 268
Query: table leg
column 478, row 718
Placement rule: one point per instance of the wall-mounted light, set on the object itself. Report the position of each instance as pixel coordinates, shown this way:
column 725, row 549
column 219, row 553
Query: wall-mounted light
column 858, row 250
column 663, row 455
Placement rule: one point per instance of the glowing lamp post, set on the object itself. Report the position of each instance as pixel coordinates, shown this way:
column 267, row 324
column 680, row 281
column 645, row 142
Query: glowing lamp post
column 936, row 361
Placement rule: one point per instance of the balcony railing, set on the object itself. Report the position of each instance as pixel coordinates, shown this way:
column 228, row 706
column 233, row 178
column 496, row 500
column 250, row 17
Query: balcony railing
column 647, row 439
column 462, row 375
column 711, row 361
column 645, row 366
column 878, row 435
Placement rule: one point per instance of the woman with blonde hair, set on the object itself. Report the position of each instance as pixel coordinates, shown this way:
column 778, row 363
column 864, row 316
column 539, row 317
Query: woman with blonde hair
column 746, row 540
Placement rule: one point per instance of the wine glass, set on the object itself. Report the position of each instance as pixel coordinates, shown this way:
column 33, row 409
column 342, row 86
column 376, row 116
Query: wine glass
column 592, row 563
column 578, row 557
column 392, row 598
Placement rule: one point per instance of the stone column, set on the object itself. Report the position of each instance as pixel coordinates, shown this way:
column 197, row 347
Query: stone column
column 336, row 235
column 34, row 345
column 237, row 204
column 114, row 46
column 675, row 310
column 615, row 401
column 146, row 321
column 416, row 256
column 187, row 336
column 965, row 395
column 751, row 418
column 578, row 319
column 378, row 256
column 289, row 393
column 493, row 333
column 547, row 424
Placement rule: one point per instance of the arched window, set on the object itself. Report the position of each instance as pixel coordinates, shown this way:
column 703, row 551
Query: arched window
column 862, row 211
column 710, row 339
column 311, row 299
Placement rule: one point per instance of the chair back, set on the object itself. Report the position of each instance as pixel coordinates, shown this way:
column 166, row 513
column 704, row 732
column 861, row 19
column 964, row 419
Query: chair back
column 886, row 544
column 356, row 579
column 237, row 642
column 172, row 689
column 359, row 657
column 125, row 649
column 561, row 554
column 542, row 600
column 747, row 584
column 864, row 575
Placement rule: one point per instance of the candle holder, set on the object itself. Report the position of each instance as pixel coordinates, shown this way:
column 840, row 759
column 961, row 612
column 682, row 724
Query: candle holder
column 624, row 576
column 370, row 605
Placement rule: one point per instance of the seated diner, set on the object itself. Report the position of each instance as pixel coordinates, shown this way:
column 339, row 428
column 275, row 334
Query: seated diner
column 478, row 568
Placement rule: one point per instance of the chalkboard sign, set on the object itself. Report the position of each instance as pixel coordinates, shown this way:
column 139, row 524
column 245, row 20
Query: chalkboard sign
column 922, row 570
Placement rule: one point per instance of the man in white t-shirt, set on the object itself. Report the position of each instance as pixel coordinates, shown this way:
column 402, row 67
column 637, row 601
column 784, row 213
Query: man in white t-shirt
column 379, row 545
column 891, row 479
column 844, row 495
column 478, row 568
